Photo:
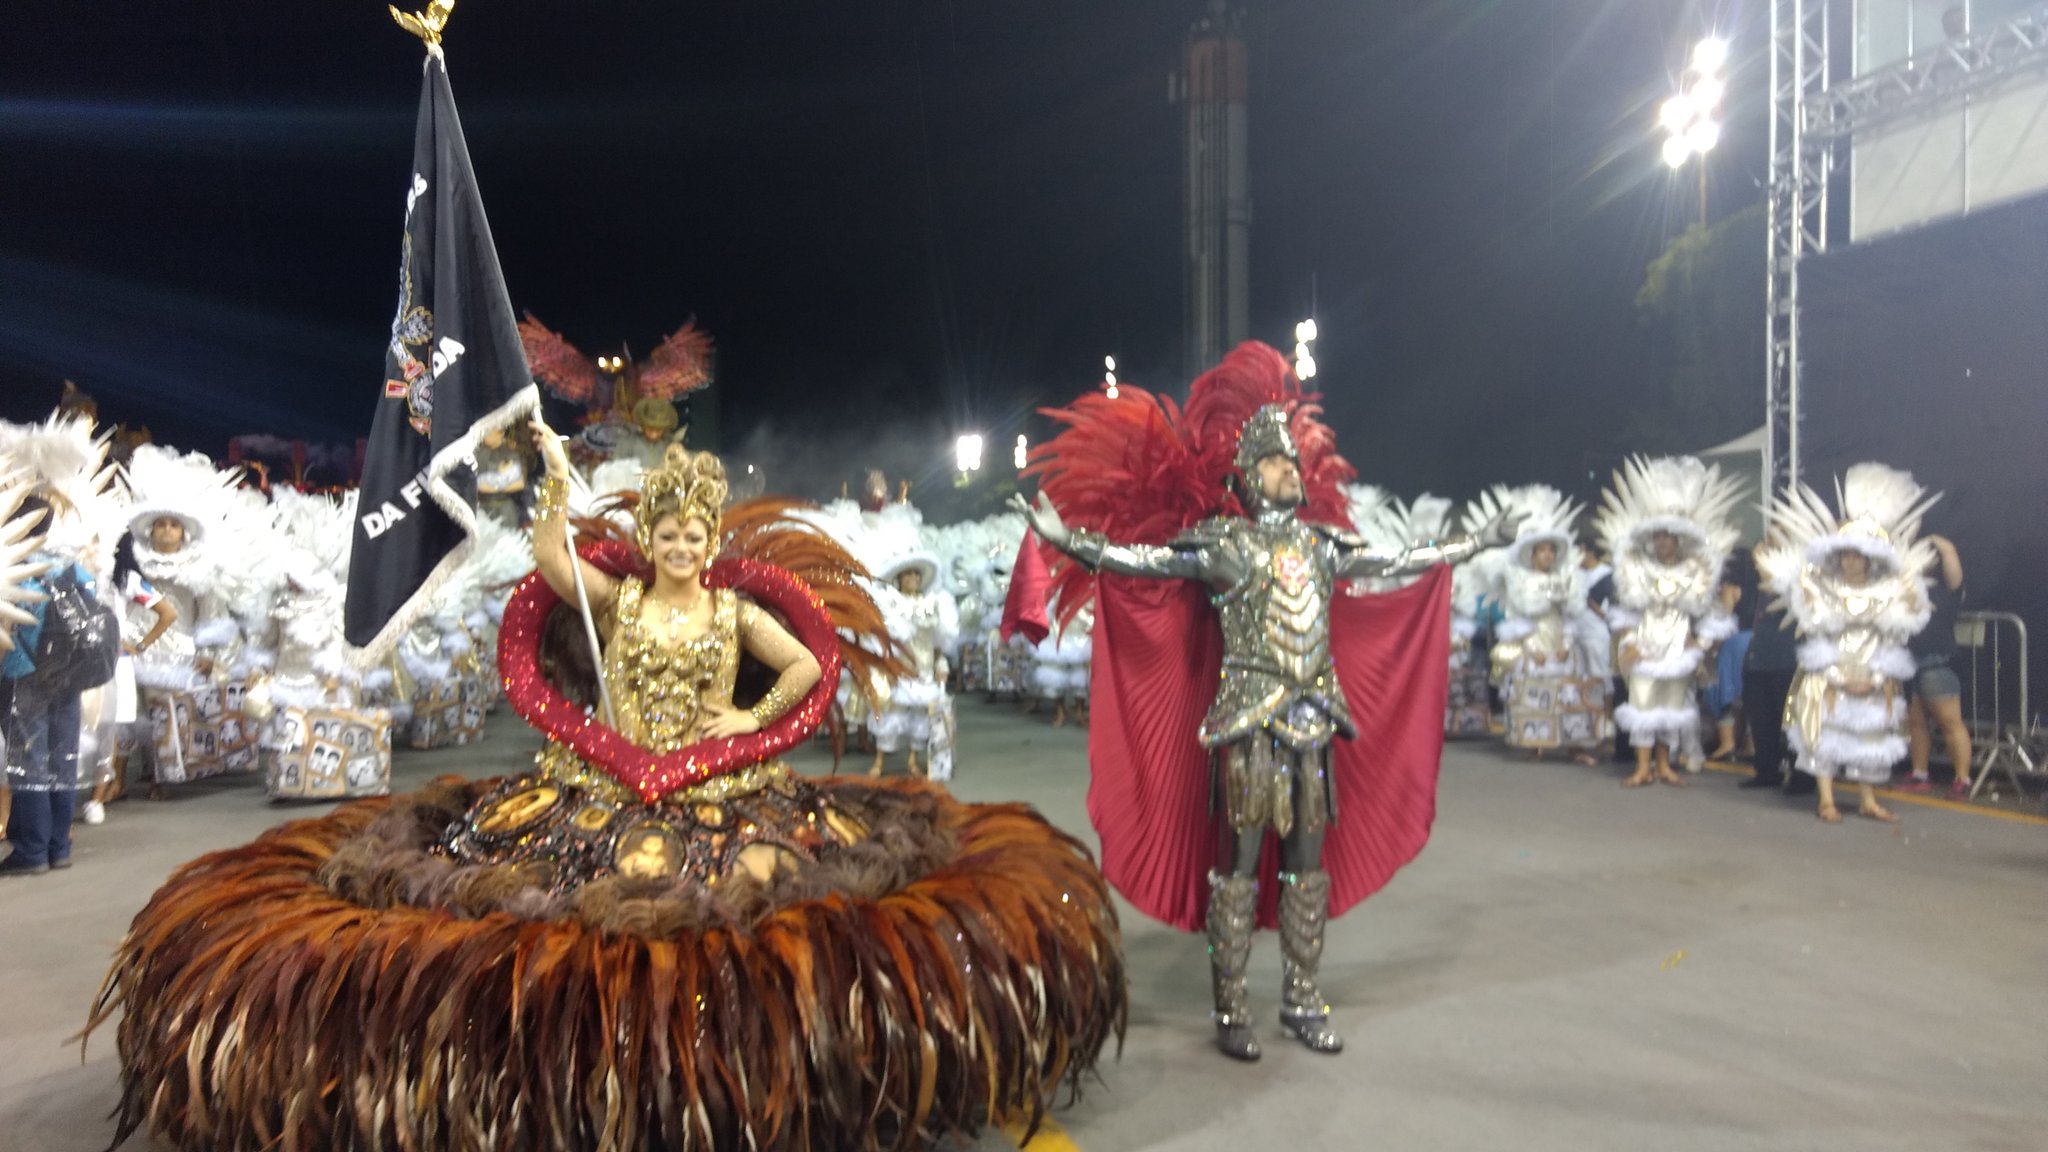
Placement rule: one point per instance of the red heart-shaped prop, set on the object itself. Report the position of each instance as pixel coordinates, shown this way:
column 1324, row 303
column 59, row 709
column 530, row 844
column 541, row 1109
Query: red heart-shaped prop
column 608, row 750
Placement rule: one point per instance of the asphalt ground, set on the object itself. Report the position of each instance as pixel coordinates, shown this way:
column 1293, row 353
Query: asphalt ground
column 1569, row 966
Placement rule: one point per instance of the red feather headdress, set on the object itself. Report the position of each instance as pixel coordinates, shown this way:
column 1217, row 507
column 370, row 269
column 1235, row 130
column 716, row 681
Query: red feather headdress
column 1140, row 469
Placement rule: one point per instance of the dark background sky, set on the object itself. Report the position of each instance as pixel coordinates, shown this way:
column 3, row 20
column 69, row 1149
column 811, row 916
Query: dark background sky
column 897, row 219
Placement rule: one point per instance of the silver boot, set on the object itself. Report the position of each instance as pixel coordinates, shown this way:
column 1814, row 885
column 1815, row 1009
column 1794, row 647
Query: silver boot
column 1304, row 912
column 1233, row 913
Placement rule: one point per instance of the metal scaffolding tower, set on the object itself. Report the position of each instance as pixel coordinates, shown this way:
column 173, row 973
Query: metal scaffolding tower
column 1810, row 119
column 1800, row 166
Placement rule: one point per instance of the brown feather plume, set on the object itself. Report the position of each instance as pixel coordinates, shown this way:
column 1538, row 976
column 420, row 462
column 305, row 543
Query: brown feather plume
column 262, row 1009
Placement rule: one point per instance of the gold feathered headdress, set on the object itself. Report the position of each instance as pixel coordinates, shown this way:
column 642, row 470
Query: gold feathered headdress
column 688, row 484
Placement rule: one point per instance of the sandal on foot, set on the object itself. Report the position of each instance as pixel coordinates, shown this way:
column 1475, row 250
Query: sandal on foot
column 1878, row 813
column 1829, row 814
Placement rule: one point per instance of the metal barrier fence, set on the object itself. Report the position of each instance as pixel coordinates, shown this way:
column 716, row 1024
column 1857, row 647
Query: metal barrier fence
column 2000, row 721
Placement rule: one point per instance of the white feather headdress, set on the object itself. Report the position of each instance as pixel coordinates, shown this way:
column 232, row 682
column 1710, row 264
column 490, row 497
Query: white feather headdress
column 18, row 540
column 1878, row 510
column 62, row 457
column 185, row 485
column 1675, row 494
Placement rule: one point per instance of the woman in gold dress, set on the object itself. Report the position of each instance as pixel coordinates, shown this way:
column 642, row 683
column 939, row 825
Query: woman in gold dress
column 659, row 936
column 672, row 648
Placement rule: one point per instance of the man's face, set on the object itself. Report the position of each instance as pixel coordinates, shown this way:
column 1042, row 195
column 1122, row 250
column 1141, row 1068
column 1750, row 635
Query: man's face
column 1665, row 546
column 1280, row 480
column 167, row 534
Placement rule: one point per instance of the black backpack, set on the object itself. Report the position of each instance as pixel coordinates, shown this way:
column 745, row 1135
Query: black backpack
column 81, row 639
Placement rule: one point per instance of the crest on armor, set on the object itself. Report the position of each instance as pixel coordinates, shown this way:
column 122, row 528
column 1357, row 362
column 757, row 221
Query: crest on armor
column 1265, row 434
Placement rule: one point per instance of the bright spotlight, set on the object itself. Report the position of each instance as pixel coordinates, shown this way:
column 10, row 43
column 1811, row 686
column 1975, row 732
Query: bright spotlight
column 1022, row 456
column 1305, row 331
column 1302, row 352
column 1305, row 367
column 1706, row 95
column 1111, row 390
column 1677, row 151
column 967, row 452
column 1676, row 113
column 1109, row 363
column 1702, row 137
column 1708, row 55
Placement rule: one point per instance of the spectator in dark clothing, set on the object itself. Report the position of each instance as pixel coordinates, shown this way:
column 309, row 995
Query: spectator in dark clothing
column 1738, row 593
column 1767, row 671
column 1935, row 692
column 1598, row 597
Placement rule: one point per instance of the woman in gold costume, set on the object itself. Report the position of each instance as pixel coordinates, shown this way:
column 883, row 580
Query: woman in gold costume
column 658, row 936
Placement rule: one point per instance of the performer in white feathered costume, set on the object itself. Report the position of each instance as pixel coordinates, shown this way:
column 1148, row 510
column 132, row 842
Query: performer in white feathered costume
column 1059, row 670
column 1853, row 583
column 185, row 546
column 918, row 714
column 60, row 463
column 1555, row 697
column 1386, row 522
column 1666, row 524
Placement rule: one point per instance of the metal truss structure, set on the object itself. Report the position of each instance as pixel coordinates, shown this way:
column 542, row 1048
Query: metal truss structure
column 1810, row 119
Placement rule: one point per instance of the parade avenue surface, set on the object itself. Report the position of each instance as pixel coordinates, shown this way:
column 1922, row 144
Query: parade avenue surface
column 1569, row 966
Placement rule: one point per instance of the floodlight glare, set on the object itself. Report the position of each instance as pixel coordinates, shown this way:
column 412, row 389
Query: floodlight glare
column 1677, row 151
column 1305, row 367
column 1676, row 113
column 967, row 452
column 1702, row 137
column 1706, row 95
column 1708, row 55
column 1305, row 331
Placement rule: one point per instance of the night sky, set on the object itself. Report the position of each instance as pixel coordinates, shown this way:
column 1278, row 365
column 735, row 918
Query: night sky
column 898, row 220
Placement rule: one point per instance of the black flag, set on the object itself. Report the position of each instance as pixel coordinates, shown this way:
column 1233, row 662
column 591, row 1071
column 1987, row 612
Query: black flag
column 453, row 370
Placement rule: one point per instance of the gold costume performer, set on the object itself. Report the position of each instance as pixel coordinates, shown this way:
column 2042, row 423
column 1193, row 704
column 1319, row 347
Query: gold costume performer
column 659, row 936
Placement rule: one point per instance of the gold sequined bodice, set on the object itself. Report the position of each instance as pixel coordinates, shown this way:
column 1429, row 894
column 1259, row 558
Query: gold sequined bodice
column 660, row 691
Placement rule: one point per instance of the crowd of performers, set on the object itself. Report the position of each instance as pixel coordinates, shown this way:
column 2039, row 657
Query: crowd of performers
column 1648, row 630
column 735, row 954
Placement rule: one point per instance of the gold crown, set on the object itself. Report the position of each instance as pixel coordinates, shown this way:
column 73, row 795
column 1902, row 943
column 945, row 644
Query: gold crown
column 687, row 485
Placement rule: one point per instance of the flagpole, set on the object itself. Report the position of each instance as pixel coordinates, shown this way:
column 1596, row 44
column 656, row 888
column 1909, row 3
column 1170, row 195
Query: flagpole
column 604, row 689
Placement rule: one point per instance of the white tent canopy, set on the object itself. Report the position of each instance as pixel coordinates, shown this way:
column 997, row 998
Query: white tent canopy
column 1751, row 441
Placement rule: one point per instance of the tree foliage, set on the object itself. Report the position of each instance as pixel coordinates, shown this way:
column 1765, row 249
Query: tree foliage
column 1703, row 303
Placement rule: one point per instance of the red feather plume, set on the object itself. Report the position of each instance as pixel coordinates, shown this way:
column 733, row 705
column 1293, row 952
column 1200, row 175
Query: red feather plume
column 1140, row 470
column 679, row 365
column 556, row 363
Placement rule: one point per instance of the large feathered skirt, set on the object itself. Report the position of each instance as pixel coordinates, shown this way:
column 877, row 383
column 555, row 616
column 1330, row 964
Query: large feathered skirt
column 342, row 982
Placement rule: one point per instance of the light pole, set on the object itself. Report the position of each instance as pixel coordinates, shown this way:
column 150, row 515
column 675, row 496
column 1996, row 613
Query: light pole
column 1023, row 453
column 1109, row 376
column 1689, row 118
column 1304, row 354
column 967, row 452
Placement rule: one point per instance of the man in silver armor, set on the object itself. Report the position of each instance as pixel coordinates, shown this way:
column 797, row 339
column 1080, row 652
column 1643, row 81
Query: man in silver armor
column 1271, row 576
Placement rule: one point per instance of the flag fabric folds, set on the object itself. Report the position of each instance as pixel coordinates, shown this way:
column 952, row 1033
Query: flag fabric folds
column 453, row 370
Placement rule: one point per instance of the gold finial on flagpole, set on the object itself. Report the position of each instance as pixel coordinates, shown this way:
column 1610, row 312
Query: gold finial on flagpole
column 426, row 25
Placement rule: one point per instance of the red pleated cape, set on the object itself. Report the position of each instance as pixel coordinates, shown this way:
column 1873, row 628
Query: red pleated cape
column 1157, row 656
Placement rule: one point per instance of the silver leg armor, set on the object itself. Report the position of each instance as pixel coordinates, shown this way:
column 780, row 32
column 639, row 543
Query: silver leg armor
column 1233, row 913
column 1304, row 913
